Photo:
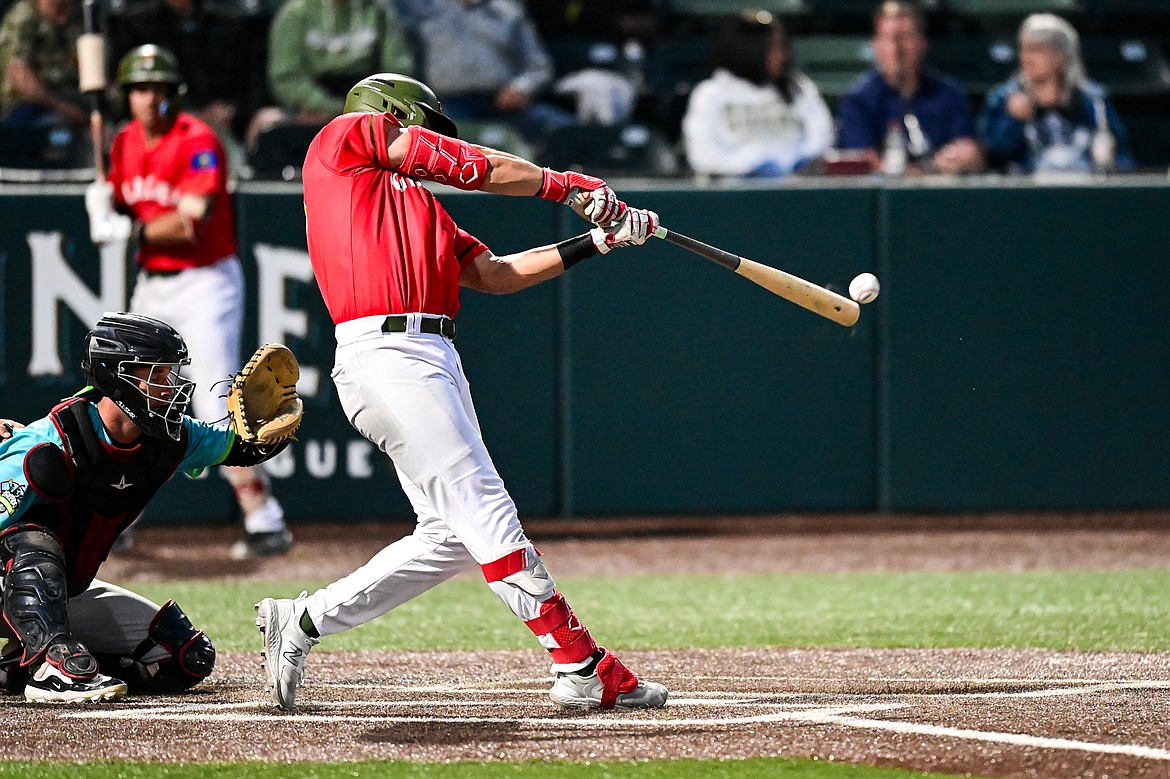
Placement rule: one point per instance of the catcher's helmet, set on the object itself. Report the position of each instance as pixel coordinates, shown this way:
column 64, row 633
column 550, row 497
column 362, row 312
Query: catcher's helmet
column 150, row 64
column 408, row 99
column 121, row 343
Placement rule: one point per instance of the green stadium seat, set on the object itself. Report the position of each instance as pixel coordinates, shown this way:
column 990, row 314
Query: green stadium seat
column 1020, row 8
column 1149, row 140
column 1127, row 66
column 497, row 135
column 833, row 62
column 733, row 7
column 979, row 63
column 629, row 150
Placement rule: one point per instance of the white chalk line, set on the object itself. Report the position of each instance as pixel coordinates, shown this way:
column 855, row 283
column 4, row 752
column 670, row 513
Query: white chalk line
column 841, row 716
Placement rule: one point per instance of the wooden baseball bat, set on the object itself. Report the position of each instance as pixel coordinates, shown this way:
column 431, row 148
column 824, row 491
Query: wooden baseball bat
column 803, row 293
column 91, row 69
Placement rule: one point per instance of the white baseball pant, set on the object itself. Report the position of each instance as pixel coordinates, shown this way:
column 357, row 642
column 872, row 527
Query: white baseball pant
column 407, row 393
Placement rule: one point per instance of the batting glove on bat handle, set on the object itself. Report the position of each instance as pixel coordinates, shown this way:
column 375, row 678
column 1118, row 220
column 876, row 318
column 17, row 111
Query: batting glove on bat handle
column 634, row 228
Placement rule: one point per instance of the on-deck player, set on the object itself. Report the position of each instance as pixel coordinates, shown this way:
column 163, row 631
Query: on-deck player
column 168, row 170
column 389, row 261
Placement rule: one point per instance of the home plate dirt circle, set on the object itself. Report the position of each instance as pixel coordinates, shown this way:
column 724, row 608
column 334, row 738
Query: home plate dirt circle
column 989, row 713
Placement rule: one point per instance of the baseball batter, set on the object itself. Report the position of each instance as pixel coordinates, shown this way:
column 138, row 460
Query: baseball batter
column 69, row 484
column 389, row 261
column 168, row 170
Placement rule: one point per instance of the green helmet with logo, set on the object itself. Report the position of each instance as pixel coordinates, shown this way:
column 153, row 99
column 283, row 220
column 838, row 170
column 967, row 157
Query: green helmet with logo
column 409, row 100
column 151, row 64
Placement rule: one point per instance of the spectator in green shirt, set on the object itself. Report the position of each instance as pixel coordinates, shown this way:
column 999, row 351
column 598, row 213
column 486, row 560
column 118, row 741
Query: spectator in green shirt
column 38, row 64
column 318, row 49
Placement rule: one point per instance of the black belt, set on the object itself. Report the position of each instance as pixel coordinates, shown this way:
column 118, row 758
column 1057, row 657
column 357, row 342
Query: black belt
column 444, row 326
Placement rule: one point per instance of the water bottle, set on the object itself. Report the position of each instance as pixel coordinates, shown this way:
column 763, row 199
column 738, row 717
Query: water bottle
column 1103, row 148
column 894, row 153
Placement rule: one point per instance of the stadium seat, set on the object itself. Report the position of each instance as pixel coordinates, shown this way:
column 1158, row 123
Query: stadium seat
column 1149, row 140
column 497, row 135
column 979, row 63
column 733, row 7
column 279, row 152
column 1013, row 7
column 630, row 150
column 833, row 62
column 43, row 147
column 1127, row 66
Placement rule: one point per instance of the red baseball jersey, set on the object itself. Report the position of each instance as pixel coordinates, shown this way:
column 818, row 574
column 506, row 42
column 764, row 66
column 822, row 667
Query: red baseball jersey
column 380, row 243
column 188, row 160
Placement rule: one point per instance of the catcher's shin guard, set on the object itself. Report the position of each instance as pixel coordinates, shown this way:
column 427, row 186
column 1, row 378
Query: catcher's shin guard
column 189, row 658
column 35, row 591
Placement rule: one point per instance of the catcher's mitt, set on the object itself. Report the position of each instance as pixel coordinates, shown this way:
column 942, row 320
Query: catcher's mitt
column 262, row 402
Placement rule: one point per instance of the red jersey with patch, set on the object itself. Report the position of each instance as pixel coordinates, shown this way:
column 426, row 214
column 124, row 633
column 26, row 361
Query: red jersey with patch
column 148, row 180
column 379, row 242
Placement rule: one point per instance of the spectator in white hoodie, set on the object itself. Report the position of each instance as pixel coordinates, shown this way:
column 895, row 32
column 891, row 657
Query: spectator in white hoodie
column 756, row 115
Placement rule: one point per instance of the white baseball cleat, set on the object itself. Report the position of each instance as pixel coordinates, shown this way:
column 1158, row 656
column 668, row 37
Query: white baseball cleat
column 286, row 647
column 50, row 685
column 610, row 685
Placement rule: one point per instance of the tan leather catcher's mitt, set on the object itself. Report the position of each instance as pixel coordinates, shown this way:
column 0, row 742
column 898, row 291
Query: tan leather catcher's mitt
column 262, row 402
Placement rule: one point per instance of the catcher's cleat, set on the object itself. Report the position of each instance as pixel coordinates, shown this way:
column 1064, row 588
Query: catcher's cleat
column 52, row 685
column 286, row 647
column 253, row 545
column 608, row 685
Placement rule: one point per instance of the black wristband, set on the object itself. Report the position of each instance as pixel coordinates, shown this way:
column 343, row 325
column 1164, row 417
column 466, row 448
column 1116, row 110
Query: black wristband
column 576, row 249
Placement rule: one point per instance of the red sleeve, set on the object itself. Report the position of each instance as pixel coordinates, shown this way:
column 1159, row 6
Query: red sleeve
column 114, row 174
column 357, row 141
column 467, row 247
column 204, row 170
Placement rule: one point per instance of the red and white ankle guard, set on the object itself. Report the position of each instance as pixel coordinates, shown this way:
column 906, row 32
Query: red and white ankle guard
column 445, row 160
column 615, row 678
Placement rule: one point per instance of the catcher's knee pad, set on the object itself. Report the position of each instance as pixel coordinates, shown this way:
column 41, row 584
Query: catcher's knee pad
column 35, row 590
column 189, row 655
column 519, row 565
column 571, row 641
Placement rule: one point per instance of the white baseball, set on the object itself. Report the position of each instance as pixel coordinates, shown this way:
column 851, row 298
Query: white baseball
column 864, row 288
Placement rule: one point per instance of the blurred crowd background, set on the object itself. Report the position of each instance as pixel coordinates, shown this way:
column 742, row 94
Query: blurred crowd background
column 658, row 88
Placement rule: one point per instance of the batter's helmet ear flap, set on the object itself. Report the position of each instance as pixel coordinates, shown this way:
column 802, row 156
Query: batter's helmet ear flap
column 409, row 100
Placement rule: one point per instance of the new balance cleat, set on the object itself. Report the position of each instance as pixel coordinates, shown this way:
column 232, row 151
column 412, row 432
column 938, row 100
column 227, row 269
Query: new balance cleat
column 286, row 647
column 610, row 685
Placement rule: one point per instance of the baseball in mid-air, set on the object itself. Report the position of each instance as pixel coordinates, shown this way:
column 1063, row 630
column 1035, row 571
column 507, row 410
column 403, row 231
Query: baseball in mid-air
column 864, row 288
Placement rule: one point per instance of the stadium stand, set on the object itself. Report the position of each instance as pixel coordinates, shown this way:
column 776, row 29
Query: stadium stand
column 731, row 7
column 833, row 62
column 632, row 150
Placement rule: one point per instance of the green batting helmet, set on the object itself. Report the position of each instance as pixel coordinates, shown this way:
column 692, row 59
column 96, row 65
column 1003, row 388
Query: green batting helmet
column 408, row 99
column 151, row 64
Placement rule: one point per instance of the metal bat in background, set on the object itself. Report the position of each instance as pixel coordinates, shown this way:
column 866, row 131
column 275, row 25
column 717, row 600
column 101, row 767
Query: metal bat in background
column 803, row 293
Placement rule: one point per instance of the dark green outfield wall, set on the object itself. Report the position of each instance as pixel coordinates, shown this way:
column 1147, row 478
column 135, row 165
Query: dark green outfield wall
column 1017, row 358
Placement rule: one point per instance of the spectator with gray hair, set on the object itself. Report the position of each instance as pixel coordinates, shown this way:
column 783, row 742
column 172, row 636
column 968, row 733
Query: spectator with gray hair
column 1050, row 117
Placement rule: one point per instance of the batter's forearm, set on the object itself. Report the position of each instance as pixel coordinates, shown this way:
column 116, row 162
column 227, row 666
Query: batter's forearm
column 169, row 229
column 511, row 175
column 513, row 272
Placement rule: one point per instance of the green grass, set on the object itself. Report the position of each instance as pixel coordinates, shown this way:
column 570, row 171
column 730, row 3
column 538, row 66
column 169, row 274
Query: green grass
column 761, row 768
column 1059, row 610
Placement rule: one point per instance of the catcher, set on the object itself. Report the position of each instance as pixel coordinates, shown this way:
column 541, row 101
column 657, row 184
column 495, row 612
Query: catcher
column 73, row 480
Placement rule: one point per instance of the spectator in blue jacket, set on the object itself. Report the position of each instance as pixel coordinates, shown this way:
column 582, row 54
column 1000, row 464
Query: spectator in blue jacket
column 928, row 109
column 1049, row 117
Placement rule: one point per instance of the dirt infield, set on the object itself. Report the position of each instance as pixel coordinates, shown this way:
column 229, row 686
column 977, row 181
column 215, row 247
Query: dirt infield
column 988, row 713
